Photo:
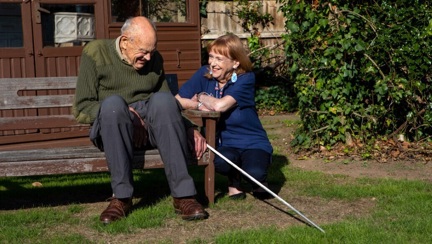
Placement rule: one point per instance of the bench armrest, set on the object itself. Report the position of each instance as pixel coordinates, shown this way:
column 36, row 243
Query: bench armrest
column 204, row 119
column 202, row 114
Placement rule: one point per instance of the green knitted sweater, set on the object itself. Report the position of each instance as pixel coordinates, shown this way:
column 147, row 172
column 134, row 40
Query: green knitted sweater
column 103, row 73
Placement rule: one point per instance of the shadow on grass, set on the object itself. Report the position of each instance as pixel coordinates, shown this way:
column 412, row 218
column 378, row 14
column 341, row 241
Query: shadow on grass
column 57, row 190
column 292, row 214
column 150, row 186
column 276, row 178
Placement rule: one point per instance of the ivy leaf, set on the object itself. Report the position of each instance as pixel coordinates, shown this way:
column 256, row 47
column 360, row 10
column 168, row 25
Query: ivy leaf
column 293, row 27
column 323, row 22
column 294, row 67
column 359, row 47
column 330, row 51
column 370, row 69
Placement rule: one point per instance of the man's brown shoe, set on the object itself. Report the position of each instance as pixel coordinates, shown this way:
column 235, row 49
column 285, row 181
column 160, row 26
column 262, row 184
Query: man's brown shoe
column 116, row 210
column 189, row 209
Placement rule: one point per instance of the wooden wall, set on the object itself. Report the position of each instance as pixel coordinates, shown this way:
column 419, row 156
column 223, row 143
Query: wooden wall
column 220, row 20
column 179, row 43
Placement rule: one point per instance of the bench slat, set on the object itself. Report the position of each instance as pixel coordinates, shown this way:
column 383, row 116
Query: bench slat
column 68, row 166
column 9, row 98
column 37, row 83
column 72, row 160
column 7, row 141
column 25, row 102
column 58, row 153
column 39, row 122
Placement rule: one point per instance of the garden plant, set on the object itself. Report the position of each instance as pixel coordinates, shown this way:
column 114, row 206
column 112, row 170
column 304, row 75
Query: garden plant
column 362, row 71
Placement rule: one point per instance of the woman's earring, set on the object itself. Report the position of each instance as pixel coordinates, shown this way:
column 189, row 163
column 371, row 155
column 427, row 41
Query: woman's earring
column 234, row 77
column 210, row 72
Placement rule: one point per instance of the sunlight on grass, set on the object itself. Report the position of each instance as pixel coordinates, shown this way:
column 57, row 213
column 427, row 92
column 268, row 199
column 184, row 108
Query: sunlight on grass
column 67, row 238
column 21, row 226
column 228, row 205
column 400, row 213
column 290, row 123
column 141, row 218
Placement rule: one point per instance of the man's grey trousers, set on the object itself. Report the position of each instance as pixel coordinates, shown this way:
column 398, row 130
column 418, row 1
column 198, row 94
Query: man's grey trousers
column 113, row 128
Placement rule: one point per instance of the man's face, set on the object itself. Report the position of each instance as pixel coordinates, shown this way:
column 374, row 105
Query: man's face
column 137, row 51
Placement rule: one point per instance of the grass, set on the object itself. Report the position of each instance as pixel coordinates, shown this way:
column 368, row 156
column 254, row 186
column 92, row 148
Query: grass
column 402, row 214
column 61, row 211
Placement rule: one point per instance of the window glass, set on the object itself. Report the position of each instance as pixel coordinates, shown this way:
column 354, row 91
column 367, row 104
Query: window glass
column 66, row 25
column 11, row 31
column 155, row 10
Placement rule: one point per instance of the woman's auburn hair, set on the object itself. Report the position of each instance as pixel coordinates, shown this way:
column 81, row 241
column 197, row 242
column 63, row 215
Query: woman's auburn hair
column 230, row 46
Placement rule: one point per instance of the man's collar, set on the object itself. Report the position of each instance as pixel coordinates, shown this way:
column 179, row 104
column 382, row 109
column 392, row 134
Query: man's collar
column 117, row 45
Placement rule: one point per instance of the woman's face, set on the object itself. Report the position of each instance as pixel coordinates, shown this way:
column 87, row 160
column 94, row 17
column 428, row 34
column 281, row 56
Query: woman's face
column 221, row 66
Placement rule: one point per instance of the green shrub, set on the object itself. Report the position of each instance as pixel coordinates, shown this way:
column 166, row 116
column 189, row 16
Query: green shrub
column 362, row 69
column 274, row 92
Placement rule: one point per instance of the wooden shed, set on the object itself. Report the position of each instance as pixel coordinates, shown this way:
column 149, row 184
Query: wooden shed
column 44, row 38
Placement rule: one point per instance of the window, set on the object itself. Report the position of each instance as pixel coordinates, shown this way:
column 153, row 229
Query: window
column 155, row 10
column 11, row 31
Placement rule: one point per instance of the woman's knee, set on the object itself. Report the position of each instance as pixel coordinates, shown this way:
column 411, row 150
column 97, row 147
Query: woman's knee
column 223, row 167
column 257, row 173
column 256, row 163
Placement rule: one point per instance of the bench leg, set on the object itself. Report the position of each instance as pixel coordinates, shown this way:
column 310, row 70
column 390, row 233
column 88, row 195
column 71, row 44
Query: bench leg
column 210, row 182
column 209, row 185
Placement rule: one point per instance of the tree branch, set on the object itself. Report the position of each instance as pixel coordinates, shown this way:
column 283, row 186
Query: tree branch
column 375, row 64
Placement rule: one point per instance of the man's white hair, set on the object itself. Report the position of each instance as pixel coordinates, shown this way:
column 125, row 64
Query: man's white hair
column 128, row 27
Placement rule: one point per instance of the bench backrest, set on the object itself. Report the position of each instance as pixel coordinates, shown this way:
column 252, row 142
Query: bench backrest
column 22, row 93
column 39, row 109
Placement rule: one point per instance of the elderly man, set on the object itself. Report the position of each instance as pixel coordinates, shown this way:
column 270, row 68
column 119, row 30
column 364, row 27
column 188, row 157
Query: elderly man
column 122, row 92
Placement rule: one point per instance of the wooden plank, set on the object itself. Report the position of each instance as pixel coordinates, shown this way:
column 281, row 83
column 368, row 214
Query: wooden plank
column 68, row 166
column 39, row 122
column 31, row 168
column 59, row 153
column 43, row 144
column 37, row 83
column 71, row 160
column 39, row 137
column 11, row 87
column 201, row 114
column 47, row 101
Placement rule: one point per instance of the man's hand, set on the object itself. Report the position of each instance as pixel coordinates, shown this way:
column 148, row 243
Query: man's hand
column 140, row 135
column 197, row 142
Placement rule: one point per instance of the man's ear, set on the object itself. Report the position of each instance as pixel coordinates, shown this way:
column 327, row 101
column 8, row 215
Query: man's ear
column 123, row 41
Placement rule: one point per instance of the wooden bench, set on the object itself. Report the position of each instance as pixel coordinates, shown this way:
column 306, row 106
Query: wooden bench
column 39, row 136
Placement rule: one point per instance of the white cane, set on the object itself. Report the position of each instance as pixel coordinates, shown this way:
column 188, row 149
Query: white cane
column 264, row 187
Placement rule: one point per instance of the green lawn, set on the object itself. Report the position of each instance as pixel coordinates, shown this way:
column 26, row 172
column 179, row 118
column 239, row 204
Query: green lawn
column 62, row 210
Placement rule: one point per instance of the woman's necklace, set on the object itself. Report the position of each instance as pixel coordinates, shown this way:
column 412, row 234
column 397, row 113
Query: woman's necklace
column 219, row 90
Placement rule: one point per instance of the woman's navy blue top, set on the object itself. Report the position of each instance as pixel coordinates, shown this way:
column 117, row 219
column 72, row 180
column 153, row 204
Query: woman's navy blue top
column 240, row 126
